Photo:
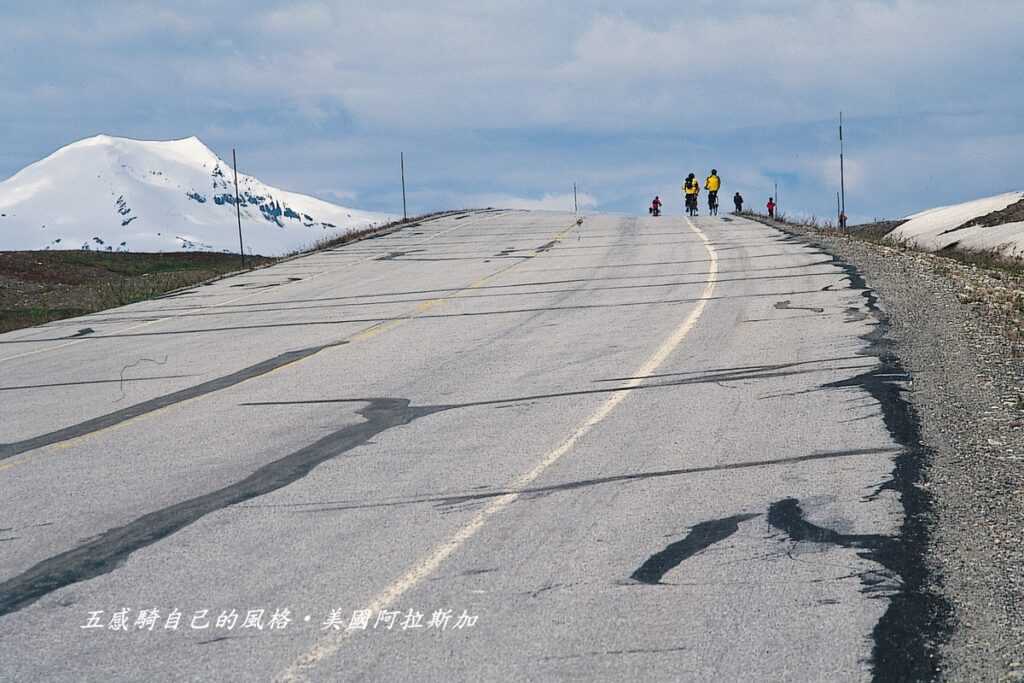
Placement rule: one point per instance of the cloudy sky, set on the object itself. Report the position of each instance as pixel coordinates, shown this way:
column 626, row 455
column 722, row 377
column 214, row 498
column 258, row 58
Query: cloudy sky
column 510, row 102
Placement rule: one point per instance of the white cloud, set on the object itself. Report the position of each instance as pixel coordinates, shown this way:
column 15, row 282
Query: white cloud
column 549, row 202
column 300, row 18
column 496, row 64
column 325, row 94
column 437, row 65
column 854, row 172
column 338, row 196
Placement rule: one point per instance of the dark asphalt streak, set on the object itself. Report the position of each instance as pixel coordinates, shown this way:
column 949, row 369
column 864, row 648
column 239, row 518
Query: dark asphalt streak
column 786, row 515
column 787, row 305
column 393, row 255
column 286, row 307
column 126, row 380
column 708, row 378
column 444, row 500
column 438, row 316
column 918, row 618
column 166, row 309
column 742, row 369
column 701, row 537
column 111, row 548
column 8, row 450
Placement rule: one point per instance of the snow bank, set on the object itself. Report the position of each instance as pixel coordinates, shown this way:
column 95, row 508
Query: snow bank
column 936, row 229
column 115, row 194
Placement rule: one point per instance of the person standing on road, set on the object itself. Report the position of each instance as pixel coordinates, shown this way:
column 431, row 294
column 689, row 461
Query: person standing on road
column 771, row 208
column 737, row 199
column 711, row 184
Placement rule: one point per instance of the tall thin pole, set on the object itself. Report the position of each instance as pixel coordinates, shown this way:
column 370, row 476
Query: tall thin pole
column 405, row 214
column 238, row 207
column 776, row 199
column 575, row 202
column 842, row 178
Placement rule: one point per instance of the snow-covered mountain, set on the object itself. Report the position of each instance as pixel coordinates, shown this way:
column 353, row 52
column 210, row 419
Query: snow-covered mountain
column 116, row 194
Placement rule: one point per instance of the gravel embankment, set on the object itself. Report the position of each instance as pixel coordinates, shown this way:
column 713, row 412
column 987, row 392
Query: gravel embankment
column 957, row 331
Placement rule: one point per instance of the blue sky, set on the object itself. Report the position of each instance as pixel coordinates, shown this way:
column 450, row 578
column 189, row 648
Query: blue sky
column 509, row 103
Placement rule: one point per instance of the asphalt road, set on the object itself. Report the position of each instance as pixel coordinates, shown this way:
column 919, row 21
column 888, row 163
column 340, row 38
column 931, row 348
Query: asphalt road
column 630, row 448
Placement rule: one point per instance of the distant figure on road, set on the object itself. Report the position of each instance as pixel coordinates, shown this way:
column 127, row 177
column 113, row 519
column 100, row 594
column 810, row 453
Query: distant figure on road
column 691, row 188
column 737, row 199
column 771, row 208
column 712, row 184
column 655, row 209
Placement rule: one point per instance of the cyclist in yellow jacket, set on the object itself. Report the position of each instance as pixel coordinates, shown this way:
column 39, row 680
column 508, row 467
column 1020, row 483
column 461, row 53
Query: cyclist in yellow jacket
column 691, row 188
column 712, row 184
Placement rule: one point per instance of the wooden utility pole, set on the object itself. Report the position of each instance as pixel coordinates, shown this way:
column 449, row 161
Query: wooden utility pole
column 405, row 213
column 842, row 178
column 238, row 207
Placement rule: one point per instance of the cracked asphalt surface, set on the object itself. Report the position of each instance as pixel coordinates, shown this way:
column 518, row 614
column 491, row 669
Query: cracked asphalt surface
column 449, row 417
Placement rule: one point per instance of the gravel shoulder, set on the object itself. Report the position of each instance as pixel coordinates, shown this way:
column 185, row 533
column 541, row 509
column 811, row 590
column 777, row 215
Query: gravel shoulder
column 957, row 331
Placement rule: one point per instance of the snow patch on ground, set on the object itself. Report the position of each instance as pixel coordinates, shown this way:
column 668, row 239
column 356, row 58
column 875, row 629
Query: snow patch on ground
column 936, row 229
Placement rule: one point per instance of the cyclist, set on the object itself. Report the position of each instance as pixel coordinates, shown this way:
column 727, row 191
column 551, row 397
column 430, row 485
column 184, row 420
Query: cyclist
column 655, row 209
column 712, row 184
column 691, row 188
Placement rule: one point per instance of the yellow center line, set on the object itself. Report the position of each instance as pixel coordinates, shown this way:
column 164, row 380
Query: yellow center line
column 426, row 566
column 378, row 328
column 217, row 305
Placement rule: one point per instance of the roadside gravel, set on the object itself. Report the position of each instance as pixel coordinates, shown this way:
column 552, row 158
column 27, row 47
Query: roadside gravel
column 960, row 340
